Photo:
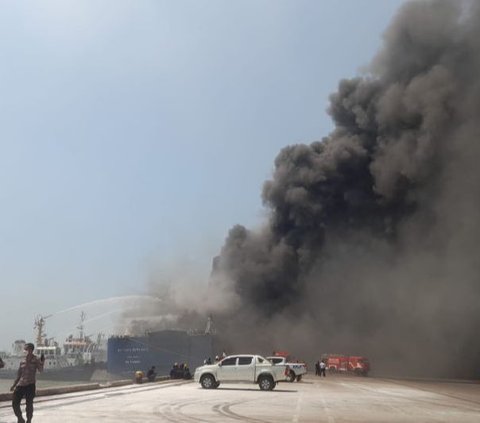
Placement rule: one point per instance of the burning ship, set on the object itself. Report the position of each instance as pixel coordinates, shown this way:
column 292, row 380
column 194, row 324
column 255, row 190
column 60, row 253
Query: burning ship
column 75, row 360
column 127, row 354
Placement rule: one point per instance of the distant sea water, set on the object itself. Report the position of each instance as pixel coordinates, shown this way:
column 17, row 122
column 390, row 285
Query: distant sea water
column 5, row 384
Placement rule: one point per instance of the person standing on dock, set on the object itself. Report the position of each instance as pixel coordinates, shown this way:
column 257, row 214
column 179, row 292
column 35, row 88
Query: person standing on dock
column 323, row 368
column 24, row 385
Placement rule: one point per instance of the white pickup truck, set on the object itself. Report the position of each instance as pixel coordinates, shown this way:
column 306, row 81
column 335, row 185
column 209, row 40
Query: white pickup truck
column 244, row 368
column 294, row 371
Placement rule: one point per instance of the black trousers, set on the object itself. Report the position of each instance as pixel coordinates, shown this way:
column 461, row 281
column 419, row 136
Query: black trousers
column 322, row 372
column 20, row 392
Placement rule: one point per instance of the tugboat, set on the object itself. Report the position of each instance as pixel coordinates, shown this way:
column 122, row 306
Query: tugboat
column 83, row 350
column 77, row 361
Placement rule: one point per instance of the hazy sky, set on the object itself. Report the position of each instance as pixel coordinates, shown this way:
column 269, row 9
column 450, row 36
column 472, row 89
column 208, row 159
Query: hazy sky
column 134, row 134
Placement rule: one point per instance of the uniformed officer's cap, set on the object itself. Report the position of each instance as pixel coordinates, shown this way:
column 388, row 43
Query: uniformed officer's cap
column 29, row 346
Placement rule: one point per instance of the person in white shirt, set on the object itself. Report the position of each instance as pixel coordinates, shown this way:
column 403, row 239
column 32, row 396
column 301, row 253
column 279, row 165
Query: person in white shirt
column 323, row 368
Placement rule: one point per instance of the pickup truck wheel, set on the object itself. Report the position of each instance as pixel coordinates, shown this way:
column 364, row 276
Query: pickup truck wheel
column 299, row 378
column 266, row 383
column 291, row 376
column 208, row 382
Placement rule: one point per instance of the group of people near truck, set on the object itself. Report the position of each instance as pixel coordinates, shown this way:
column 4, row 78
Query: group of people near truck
column 217, row 358
column 180, row 371
column 320, row 368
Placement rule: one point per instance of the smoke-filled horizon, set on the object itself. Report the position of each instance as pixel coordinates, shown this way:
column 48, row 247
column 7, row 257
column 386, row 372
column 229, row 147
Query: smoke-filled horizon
column 371, row 241
column 370, row 245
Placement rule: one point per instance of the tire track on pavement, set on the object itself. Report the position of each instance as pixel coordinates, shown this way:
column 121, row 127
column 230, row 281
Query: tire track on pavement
column 224, row 409
column 174, row 413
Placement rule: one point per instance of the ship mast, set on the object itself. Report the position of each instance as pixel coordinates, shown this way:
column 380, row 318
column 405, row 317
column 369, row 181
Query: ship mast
column 80, row 327
column 40, row 326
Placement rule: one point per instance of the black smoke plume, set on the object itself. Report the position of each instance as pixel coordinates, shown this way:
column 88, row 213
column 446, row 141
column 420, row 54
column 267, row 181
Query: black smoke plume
column 372, row 241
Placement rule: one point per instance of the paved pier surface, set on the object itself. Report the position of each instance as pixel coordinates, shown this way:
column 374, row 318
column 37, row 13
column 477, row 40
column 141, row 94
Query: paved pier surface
column 330, row 400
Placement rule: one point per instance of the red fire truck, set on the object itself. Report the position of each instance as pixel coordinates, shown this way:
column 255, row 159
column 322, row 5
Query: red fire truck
column 347, row 364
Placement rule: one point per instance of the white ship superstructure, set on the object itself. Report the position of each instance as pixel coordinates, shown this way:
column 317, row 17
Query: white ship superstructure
column 76, row 361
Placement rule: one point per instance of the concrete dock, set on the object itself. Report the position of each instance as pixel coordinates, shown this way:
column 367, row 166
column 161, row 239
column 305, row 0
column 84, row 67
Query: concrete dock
column 330, row 400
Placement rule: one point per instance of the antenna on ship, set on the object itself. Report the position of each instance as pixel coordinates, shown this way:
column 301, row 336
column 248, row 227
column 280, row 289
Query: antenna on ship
column 39, row 326
column 80, row 327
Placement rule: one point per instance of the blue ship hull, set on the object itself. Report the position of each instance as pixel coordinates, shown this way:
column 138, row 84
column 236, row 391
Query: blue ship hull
column 160, row 349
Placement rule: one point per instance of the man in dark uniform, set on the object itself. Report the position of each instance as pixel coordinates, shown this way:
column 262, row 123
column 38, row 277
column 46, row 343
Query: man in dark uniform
column 2, row 364
column 151, row 374
column 24, row 385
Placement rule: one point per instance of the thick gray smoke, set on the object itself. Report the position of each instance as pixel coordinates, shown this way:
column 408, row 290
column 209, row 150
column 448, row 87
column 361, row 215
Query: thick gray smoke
column 371, row 246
